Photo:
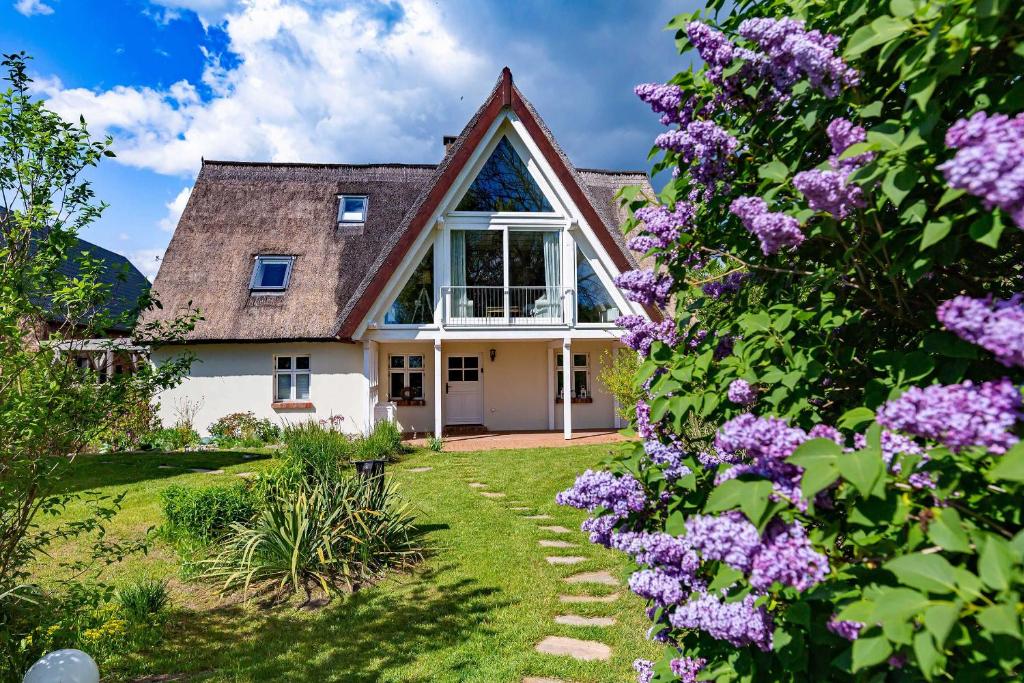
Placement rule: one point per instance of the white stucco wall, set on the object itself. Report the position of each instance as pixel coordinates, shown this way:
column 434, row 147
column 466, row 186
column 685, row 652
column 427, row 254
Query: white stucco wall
column 230, row 378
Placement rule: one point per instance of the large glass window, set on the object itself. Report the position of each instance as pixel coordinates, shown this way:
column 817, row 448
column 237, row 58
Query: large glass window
column 415, row 304
column 504, row 184
column 594, row 303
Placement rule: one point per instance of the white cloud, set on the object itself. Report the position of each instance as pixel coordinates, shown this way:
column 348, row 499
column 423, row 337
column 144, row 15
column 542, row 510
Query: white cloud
column 30, row 7
column 123, row 236
column 147, row 261
column 175, row 207
column 309, row 84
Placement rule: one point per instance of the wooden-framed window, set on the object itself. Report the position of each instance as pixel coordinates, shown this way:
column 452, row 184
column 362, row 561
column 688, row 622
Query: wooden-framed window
column 291, row 378
column 580, row 373
column 405, row 377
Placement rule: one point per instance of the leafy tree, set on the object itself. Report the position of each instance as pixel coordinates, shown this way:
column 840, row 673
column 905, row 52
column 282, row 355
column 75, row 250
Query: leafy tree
column 50, row 409
column 842, row 239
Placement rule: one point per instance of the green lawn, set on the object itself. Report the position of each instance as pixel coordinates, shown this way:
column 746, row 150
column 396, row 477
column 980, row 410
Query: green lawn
column 472, row 612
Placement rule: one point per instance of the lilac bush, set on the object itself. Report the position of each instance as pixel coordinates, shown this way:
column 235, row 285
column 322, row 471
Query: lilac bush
column 828, row 475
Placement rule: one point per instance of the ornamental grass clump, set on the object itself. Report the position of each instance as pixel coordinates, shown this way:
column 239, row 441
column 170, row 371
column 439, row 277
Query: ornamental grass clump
column 828, row 478
column 327, row 536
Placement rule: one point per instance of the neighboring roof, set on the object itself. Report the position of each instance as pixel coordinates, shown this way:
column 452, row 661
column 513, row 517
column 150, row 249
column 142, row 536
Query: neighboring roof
column 127, row 284
column 240, row 209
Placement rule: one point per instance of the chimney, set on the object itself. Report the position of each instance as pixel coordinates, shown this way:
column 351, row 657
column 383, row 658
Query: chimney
column 449, row 140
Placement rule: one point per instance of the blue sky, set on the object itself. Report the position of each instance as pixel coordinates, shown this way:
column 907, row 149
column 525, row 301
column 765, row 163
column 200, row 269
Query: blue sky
column 339, row 81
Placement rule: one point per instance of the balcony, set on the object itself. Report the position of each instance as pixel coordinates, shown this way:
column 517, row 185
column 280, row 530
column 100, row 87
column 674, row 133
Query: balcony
column 476, row 306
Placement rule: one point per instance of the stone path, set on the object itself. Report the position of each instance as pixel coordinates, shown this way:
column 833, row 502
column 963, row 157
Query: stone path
column 585, row 650
column 419, row 469
column 582, row 650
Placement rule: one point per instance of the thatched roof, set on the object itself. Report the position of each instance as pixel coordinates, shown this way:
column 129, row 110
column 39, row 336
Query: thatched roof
column 238, row 210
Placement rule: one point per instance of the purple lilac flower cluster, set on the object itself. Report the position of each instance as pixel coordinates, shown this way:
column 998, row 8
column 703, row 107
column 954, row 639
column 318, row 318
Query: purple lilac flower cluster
column 620, row 494
column 989, row 162
column 824, row 431
column 761, row 445
column 787, row 557
column 642, row 333
column 729, row 284
column 661, row 226
column 774, row 230
column 794, row 53
column 663, row 98
column 645, row 286
column 670, row 457
column 845, row 629
column 687, row 668
column 644, row 669
column 728, row 537
column 995, row 325
column 829, row 190
column 705, row 147
column 958, row 415
column 741, row 393
column 739, row 623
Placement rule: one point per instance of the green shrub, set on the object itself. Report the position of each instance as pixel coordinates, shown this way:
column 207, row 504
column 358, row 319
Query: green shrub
column 314, row 451
column 143, row 601
column 435, row 443
column 204, row 514
column 171, row 438
column 331, row 535
column 244, row 429
column 383, row 443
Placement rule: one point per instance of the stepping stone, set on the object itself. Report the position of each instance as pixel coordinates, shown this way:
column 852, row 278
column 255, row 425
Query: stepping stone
column 520, row 509
column 537, row 517
column 574, row 599
column 565, row 559
column 492, row 494
column 166, row 467
column 419, row 469
column 583, row 650
column 555, row 529
column 545, row 543
column 249, row 456
column 534, row 679
column 575, row 620
column 203, row 470
column 477, row 485
column 602, row 578
column 246, row 475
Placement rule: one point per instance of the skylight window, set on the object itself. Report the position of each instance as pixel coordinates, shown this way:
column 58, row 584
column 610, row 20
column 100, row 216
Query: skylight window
column 271, row 273
column 352, row 208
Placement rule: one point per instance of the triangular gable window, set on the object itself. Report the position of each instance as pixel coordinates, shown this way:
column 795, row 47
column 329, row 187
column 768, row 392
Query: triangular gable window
column 504, row 184
column 415, row 304
column 594, row 303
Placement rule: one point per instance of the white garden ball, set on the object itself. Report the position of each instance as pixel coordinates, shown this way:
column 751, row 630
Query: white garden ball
column 64, row 666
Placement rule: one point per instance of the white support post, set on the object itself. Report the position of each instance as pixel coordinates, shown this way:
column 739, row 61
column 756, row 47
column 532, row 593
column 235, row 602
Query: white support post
column 551, row 388
column 370, row 376
column 567, row 388
column 438, row 396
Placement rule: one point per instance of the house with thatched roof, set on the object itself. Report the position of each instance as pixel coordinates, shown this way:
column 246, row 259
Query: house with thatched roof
column 476, row 292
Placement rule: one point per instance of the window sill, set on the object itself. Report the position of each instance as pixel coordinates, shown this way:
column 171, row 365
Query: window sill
column 404, row 402
column 292, row 405
column 576, row 400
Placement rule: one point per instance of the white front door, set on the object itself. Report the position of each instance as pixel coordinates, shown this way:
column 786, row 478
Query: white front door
column 463, row 390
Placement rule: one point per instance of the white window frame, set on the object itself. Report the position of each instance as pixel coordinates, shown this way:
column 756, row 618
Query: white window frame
column 585, row 368
column 294, row 372
column 406, row 371
column 257, row 271
column 341, row 208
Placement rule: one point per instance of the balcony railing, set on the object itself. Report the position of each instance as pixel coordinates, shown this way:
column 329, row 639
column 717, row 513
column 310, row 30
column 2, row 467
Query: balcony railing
column 501, row 306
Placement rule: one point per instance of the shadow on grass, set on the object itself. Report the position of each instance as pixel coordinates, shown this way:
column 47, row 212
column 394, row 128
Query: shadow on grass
column 122, row 469
column 359, row 639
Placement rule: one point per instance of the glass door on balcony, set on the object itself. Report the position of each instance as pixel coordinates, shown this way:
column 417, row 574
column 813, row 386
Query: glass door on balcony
column 505, row 276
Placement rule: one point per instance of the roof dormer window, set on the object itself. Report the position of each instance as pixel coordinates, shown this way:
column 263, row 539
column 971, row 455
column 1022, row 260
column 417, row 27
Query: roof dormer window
column 352, row 208
column 271, row 273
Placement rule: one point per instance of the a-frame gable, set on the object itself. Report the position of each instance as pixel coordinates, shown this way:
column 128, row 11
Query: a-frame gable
column 504, row 96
